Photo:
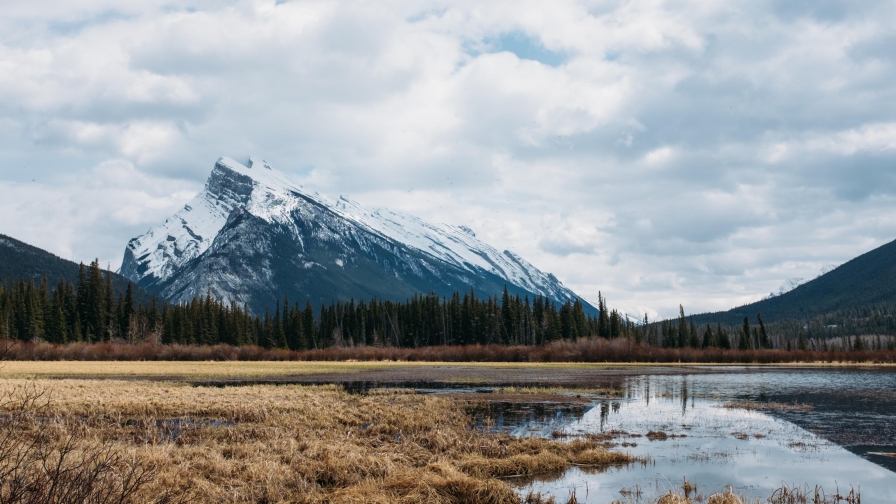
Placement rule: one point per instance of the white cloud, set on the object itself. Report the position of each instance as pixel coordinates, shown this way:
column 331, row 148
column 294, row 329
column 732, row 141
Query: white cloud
column 694, row 152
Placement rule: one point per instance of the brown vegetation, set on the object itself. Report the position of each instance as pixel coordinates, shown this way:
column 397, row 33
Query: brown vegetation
column 582, row 350
column 783, row 495
column 44, row 460
column 817, row 495
column 662, row 436
column 750, row 405
column 269, row 444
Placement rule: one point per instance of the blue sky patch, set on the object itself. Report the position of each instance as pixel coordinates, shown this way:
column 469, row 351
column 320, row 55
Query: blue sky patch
column 526, row 47
column 75, row 27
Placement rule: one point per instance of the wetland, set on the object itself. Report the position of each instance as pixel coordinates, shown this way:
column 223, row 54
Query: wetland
column 398, row 432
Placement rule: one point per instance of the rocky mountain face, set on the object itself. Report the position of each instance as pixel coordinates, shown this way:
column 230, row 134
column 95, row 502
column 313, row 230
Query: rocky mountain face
column 253, row 235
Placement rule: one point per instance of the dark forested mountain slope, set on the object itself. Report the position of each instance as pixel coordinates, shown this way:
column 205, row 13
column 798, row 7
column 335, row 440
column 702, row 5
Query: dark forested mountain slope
column 867, row 280
column 18, row 260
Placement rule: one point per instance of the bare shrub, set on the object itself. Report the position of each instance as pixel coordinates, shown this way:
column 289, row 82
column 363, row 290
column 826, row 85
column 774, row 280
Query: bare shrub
column 581, row 350
column 44, row 460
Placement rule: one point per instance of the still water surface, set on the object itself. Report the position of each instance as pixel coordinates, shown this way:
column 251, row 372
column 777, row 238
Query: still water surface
column 853, row 416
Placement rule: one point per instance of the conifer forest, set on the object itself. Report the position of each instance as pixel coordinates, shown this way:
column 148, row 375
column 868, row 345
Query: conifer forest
column 93, row 311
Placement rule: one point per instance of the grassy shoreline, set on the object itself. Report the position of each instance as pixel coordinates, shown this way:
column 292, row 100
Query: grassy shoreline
column 273, row 369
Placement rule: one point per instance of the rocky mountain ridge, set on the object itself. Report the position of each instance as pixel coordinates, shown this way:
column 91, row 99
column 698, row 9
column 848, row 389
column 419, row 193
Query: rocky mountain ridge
column 254, row 234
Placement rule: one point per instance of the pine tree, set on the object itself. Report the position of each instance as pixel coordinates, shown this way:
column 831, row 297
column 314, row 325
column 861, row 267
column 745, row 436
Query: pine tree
column 507, row 318
column 709, row 339
column 76, row 328
column 724, row 341
column 96, row 307
column 615, row 324
column 277, row 335
column 745, row 336
column 109, row 324
column 580, row 319
column 693, row 339
column 566, row 325
column 802, row 343
column 764, row 341
column 644, row 333
column 127, row 312
column 684, row 333
column 82, row 298
column 603, row 320
column 309, row 326
column 668, row 336
column 34, row 313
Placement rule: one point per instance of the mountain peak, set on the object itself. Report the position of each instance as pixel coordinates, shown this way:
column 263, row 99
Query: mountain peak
column 255, row 168
column 254, row 234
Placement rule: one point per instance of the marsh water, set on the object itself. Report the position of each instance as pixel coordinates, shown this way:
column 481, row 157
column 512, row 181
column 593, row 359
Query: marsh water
column 835, row 444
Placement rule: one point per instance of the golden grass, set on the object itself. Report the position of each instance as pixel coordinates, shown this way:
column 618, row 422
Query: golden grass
column 556, row 391
column 180, row 369
column 298, row 443
column 728, row 497
column 262, row 369
column 751, row 405
column 673, row 498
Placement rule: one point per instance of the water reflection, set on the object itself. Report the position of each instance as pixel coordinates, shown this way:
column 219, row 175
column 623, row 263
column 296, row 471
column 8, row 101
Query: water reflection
column 755, row 452
column 529, row 419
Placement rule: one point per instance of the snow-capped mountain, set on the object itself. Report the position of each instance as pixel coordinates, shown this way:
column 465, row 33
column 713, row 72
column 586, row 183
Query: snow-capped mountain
column 254, row 234
column 793, row 283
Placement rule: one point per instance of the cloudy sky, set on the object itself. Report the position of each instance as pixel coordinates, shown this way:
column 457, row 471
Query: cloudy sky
column 660, row 152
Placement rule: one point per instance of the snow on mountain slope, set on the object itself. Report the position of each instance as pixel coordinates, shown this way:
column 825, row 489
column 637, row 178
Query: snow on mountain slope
column 276, row 199
column 456, row 245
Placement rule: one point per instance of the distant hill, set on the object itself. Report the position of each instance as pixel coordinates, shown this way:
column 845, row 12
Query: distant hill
column 869, row 279
column 19, row 260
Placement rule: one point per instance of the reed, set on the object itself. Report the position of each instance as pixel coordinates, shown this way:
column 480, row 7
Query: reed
column 262, row 443
column 751, row 405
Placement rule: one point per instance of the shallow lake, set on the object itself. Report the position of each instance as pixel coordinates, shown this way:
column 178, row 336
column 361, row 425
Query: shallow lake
column 833, row 444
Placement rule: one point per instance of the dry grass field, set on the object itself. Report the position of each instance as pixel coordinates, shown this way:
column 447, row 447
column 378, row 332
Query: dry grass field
column 211, row 370
column 200, row 370
column 179, row 369
column 156, row 441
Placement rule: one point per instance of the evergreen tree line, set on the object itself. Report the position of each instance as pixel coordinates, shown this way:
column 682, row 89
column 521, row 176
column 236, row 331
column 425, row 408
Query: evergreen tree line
column 92, row 311
column 868, row 328
column 683, row 333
